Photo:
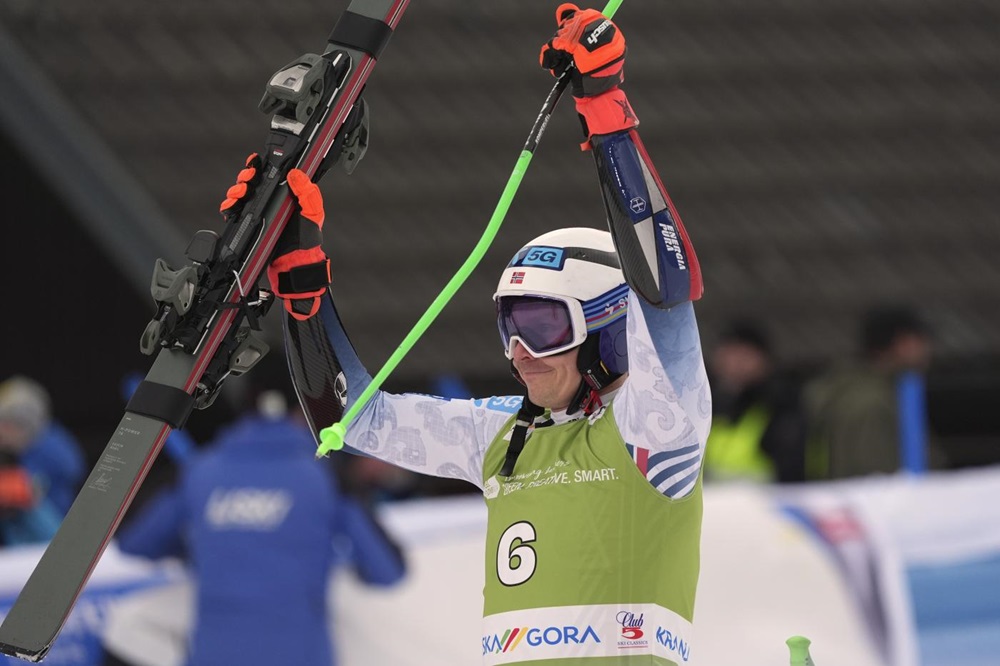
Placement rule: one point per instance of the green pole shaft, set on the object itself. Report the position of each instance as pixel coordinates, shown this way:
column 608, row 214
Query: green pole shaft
column 332, row 438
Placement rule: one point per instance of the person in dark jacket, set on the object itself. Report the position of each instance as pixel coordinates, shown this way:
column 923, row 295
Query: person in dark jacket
column 259, row 517
column 853, row 408
column 758, row 426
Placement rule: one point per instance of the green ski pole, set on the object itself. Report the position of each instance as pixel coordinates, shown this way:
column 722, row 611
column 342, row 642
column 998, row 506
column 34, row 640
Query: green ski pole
column 799, row 648
column 332, row 438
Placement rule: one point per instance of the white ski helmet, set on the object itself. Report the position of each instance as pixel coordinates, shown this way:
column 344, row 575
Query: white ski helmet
column 562, row 290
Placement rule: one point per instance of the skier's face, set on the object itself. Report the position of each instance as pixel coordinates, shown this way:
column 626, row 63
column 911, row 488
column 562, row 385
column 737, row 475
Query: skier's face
column 552, row 381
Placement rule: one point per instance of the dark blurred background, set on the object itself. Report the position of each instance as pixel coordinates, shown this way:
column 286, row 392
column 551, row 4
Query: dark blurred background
column 824, row 156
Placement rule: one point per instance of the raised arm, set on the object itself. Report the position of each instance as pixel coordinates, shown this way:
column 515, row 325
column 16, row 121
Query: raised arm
column 663, row 410
column 422, row 433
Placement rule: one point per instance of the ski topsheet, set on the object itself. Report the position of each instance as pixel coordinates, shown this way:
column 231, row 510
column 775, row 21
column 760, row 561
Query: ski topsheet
column 207, row 313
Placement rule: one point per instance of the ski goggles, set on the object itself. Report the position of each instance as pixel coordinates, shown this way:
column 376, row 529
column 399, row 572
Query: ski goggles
column 544, row 326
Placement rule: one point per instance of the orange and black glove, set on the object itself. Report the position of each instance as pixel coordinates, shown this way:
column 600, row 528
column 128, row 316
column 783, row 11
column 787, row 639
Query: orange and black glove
column 299, row 271
column 595, row 47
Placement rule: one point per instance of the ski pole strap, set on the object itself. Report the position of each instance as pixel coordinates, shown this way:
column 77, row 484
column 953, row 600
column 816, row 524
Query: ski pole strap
column 161, row 402
column 304, row 279
column 361, row 33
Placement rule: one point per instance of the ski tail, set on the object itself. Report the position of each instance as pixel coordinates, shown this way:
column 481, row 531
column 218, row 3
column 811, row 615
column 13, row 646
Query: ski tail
column 317, row 374
column 207, row 314
column 658, row 258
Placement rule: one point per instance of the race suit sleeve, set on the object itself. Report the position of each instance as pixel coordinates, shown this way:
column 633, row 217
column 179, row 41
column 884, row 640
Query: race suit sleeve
column 663, row 410
column 422, row 433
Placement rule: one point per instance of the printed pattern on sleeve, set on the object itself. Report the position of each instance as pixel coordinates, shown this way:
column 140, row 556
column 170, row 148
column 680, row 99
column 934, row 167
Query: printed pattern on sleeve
column 663, row 411
column 431, row 435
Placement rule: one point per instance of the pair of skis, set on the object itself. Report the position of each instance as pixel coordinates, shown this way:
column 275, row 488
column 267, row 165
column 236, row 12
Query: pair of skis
column 207, row 311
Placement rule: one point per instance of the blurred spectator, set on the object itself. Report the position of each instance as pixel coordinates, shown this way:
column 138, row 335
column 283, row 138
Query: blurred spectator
column 46, row 450
column 853, row 410
column 758, row 429
column 260, row 520
column 25, row 516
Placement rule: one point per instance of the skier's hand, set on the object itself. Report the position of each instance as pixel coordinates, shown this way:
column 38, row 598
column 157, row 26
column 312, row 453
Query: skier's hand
column 590, row 42
column 299, row 271
column 595, row 47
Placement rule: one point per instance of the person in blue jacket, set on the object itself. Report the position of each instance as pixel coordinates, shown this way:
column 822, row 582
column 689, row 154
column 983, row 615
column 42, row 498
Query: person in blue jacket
column 258, row 518
column 48, row 452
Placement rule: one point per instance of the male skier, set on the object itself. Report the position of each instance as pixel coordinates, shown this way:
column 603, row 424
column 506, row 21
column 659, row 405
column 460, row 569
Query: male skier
column 593, row 479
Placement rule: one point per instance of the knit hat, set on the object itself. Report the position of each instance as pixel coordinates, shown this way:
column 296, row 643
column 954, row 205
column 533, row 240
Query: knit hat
column 26, row 403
